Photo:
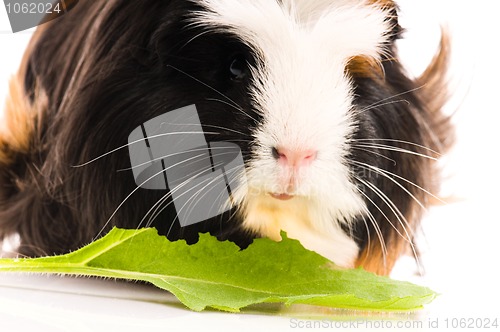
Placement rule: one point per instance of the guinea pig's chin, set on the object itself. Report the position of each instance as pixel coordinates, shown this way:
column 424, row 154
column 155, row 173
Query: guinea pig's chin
column 326, row 201
column 281, row 193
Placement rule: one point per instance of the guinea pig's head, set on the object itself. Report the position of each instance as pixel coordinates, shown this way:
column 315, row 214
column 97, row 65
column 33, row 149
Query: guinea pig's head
column 276, row 78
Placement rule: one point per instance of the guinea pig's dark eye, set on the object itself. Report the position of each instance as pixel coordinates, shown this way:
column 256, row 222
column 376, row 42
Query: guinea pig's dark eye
column 238, row 67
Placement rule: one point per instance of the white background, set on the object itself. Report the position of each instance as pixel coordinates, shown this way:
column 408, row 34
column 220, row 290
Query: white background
column 460, row 247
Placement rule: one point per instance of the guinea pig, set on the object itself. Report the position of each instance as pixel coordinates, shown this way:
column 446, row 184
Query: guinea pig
column 339, row 143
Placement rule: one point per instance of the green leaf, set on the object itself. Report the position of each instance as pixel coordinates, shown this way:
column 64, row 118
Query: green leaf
column 218, row 274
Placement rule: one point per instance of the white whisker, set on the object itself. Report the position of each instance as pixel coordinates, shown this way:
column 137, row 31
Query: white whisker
column 375, row 153
column 380, row 171
column 380, row 210
column 140, row 140
column 205, row 84
column 377, row 229
column 157, row 212
column 395, row 149
column 227, row 129
column 175, row 154
column 413, row 184
column 378, row 103
column 239, row 109
column 195, row 195
column 410, row 235
column 153, row 210
column 195, row 37
column 397, row 141
column 156, row 206
column 368, row 108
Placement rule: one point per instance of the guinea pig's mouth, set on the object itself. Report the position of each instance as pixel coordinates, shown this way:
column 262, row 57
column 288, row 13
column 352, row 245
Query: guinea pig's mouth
column 281, row 196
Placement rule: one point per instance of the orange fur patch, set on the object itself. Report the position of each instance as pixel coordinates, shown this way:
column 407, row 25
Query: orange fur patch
column 362, row 66
column 372, row 258
column 17, row 126
column 19, row 121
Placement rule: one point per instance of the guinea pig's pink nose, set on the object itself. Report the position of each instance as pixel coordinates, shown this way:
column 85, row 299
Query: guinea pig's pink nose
column 294, row 157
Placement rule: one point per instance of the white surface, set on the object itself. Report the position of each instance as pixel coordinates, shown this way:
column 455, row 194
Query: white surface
column 460, row 246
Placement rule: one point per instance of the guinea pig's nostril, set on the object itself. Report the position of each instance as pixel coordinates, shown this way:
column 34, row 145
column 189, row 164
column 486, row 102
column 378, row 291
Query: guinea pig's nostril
column 276, row 154
column 294, row 157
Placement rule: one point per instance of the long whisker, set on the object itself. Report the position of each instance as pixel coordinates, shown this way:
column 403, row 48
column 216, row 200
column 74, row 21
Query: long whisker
column 140, row 140
column 193, row 198
column 395, row 149
column 375, row 153
column 401, row 218
column 160, row 209
column 377, row 229
column 228, row 129
column 407, row 181
column 394, row 209
column 239, row 109
column 379, row 171
column 238, row 140
column 203, row 149
column 397, row 141
column 378, row 103
column 205, row 84
column 156, row 206
column 153, row 210
column 380, row 210
column 196, row 172
column 195, row 37
column 196, row 195
column 367, row 231
column 166, row 206
column 368, row 108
